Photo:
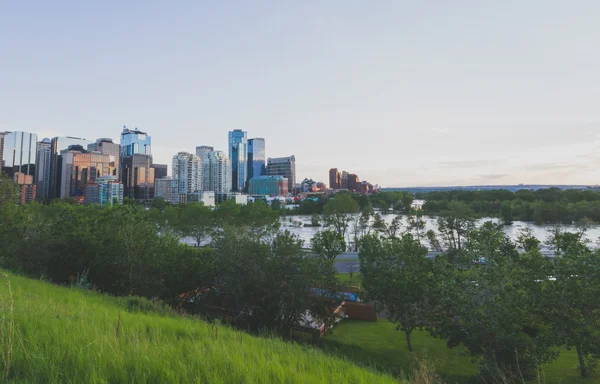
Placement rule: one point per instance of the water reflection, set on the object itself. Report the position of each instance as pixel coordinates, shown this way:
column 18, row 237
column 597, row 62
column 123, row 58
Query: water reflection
column 292, row 224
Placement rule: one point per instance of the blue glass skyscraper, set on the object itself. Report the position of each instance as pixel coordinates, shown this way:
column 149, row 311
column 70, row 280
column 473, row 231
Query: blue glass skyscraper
column 238, row 154
column 256, row 158
column 135, row 142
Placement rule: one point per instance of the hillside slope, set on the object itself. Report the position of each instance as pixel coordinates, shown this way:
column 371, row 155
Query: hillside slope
column 52, row 334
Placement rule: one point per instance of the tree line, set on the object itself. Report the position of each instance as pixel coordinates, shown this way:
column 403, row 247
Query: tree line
column 543, row 206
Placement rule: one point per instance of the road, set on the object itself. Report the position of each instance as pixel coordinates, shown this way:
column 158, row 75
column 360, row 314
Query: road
column 351, row 264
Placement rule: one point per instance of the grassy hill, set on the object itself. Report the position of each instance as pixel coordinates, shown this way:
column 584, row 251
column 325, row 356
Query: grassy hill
column 50, row 334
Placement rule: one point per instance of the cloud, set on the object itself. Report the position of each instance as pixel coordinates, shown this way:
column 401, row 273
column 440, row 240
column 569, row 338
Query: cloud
column 494, row 176
column 443, row 131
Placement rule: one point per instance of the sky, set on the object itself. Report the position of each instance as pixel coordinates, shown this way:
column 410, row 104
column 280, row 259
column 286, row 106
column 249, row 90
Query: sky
column 402, row 93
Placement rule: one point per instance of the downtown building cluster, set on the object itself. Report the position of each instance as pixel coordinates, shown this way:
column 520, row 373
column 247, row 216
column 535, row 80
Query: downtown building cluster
column 348, row 181
column 92, row 172
column 104, row 172
column 210, row 175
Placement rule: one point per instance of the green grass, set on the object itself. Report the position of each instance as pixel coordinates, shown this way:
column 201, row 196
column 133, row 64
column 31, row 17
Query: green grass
column 63, row 335
column 380, row 345
column 345, row 278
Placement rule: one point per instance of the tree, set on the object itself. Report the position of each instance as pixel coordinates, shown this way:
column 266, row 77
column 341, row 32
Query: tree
column 396, row 275
column 526, row 241
column 338, row 213
column 455, row 224
column 496, row 311
column 262, row 284
column 328, row 244
column 361, row 227
column 158, row 203
column 8, row 219
column 490, row 242
column 415, row 223
column 434, row 242
column 379, row 224
column 260, row 220
column 394, row 227
column 573, row 303
column 407, row 200
column 196, row 221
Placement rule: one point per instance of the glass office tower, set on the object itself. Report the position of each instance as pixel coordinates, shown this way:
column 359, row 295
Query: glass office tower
column 256, row 158
column 42, row 163
column 134, row 141
column 19, row 153
column 238, row 155
column 57, row 145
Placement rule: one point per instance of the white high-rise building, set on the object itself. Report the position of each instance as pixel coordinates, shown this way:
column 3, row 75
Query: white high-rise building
column 187, row 170
column 217, row 173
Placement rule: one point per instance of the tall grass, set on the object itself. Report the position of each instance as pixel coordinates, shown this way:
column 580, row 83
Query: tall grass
column 52, row 334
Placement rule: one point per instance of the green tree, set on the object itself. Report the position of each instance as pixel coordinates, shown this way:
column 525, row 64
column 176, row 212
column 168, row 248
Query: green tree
column 328, row 244
column 338, row 213
column 196, row 221
column 415, row 223
column 262, row 284
column 496, row 310
column 573, row 303
column 527, row 241
column 455, row 224
column 396, row 275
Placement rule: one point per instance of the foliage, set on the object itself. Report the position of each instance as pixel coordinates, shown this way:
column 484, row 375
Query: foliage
column 328, row 244
column 338, row 213
column 454, row 225
column 262, row 285
column 551, row 205
column 396, row 274
column 572, row 303
column 496, row 310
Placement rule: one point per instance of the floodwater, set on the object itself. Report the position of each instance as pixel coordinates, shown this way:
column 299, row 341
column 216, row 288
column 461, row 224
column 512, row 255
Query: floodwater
column 294, row 224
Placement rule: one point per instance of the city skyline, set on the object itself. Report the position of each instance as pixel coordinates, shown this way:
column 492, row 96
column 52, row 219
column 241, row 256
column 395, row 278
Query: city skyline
column 457, row 94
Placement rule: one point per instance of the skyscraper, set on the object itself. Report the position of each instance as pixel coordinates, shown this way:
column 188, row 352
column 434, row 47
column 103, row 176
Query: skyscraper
column 335, row 179
column 42, row 178
column 2, row 134
column 137, row 171
column 81, row 168
column 256, row 158
column 107, row 147
column 202, row 149
column 353, row 183
column 238, row 155
column 283, row 166
column 167, row 188
column 19, row 153
column 134, row 141
column 137, row 176
column 160, row 170
column 57, row 145
column 217, row 174
column 187, row 170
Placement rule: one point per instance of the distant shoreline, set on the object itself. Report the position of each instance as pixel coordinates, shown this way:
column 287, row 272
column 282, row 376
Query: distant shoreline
column 512, row 188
